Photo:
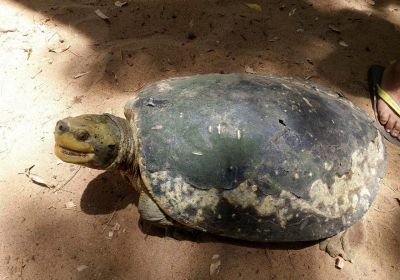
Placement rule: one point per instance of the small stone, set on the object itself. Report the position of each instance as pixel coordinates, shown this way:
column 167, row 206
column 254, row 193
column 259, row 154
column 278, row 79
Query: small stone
column 334, row 28
column 82, row 267
column 249, row 70
column 339, row 263
column 215, row 264
column 70, row 205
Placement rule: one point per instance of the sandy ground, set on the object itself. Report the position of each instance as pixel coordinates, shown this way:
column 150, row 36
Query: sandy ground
column 146, row 41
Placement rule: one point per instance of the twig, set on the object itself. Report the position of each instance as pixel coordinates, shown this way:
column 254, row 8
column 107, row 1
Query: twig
column 66, row 182
column 389, row 188
column 388, row 211
column 109, row 220
column 74, row 53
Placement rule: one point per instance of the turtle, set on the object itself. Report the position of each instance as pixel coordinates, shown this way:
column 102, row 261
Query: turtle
column 262, row 158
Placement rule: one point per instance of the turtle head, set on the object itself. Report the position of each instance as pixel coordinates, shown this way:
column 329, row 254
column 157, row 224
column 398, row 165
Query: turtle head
column 95, row 141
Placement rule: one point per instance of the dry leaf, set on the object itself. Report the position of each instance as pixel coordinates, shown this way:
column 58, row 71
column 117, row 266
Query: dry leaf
column 343, row 44
column 36, row 178
column 120, row 3
column 215, row 264
column 254, row 6
column 39, row 180
column 101, row 15
column 29, row 52
column 249, row 70
column 291, row 13
column 371, row 2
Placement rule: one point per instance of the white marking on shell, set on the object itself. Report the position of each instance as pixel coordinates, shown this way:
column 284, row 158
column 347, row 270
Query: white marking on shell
column 354, row 201
column 364, row 192
column 239, row 134
column 181, row 115
column 197, row 153
column 182, row 196
column 219, row 128
column 163, row 86
column 328, row 166
column 307, row 101
column 157, row 127
column 240, row 196
column 327, row 201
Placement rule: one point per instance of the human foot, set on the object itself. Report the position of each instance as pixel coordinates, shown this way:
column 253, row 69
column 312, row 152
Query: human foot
column 391, row 84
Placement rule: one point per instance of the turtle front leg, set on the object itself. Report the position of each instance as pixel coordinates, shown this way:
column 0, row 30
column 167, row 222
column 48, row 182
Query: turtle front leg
column 150, row 212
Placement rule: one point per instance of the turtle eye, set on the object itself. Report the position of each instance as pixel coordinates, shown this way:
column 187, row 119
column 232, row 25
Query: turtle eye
column 82, row 136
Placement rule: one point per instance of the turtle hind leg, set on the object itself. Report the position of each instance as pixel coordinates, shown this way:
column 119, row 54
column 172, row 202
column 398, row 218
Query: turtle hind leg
column 346, row 243
column 150, row 212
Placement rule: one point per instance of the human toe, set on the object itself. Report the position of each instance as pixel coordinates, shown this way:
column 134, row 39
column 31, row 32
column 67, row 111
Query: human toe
column 383, row 116
column 390, row 124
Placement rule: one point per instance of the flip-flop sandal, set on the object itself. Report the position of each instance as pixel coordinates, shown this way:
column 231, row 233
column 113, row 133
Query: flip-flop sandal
column 375, row 74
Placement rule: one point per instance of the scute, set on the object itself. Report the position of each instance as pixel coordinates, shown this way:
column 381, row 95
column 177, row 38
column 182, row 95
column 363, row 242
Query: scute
column 277, row 158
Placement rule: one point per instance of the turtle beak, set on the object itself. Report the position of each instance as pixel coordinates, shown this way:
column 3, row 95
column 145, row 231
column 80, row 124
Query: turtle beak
column 71, row 146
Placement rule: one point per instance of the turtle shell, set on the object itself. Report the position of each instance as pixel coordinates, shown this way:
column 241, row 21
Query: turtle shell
column 253, row 157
